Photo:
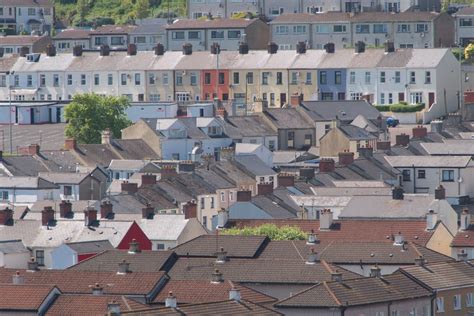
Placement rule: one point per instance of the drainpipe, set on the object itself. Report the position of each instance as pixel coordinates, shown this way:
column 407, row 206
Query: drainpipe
column 459, row 182
column 414, row 178
column 287, row 86
column 389, row 308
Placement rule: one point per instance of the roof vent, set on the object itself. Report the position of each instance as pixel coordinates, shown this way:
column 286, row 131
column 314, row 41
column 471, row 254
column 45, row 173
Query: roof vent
column 375, row 271
column 312, row 238
column 431, row 220
column 420, row 261
column 336, row 276
column 124, row 267
column 399, row 240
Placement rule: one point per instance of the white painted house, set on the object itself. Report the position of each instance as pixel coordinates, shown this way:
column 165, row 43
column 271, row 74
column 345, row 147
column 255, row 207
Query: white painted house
column 27, row 190
column 13, row 254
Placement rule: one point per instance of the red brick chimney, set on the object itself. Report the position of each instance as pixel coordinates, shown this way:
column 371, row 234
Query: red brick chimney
column 47, row 216
column 106, row 209
column 90, row 216
column 346, row 158
column 168, row 172
column 6, row 216
column 286, row 180
column 264, row 188
column 190, row 210
column 244, row 196
column 70, row 144
column 420, row 131
column 65, row 209
column 402, row 140
column 148, row 179
column 33, row 149
column 148, row 211
column 295, row 100
column 327, row 165
column 129, row 187
column 383, row 145
column 469, row 97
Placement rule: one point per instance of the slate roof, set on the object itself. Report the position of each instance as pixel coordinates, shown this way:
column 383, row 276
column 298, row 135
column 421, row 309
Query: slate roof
column 23, row 297
column 254, row 165
column 113, row 29
column 12, row 246
column 441, row 276
column 19, row 39
column 361, row 291
column 210, row 24
column 462, row 148
column 344, row 110
column 23, row 166
column 88, row 247
column 33, row 3
column 144, row 261
column 164, row 226
column 26, row 183
column 355, row 133
column 203, row 291
column 248, row 126
column 63, row 177
column 73, row 34
column 407, row 16
column 429, row 161
column 288, row 118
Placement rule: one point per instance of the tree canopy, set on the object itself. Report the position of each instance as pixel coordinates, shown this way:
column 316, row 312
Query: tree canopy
column 270, row 230
column 89, row 114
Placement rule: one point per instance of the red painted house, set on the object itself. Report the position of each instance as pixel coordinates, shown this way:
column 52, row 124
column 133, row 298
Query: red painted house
column 137, row 234
column 210, row 81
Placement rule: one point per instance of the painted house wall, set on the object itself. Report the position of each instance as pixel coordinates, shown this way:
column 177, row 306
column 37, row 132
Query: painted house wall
column 209, row 90
column 29, row 196
column 330, row 86
column 151, row 110
column 440, row 241
column 63, row 257
column 14, row 260
column 135, row 232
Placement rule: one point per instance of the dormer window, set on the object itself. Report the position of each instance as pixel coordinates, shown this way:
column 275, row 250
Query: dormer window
column 214, row 130
column 33, row 58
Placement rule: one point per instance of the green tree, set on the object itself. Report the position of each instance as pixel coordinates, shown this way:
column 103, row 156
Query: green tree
column 89, row 114
column 142, row 9
column 469, row 51
column 270, row 230
column 82, row 8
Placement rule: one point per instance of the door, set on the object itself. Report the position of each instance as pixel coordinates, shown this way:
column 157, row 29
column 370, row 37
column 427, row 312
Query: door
column 401, row 96
column 201, row 112
column 282, row 99
column 58, row 115
column 50, row 115
column 431, row 98
column 32, row 116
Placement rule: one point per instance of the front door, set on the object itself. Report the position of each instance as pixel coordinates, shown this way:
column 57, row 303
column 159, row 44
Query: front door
column 401, row 96
column 58, row 115
column 431, row 98
column 282, row 99
column 32, row 116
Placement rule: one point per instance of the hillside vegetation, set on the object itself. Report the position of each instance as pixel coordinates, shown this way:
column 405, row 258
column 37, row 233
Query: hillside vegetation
column 98, row 12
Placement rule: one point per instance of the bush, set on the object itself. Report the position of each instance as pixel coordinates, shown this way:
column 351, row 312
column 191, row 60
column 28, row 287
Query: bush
column 402, row 107
column 383, row 108
column 270, row 230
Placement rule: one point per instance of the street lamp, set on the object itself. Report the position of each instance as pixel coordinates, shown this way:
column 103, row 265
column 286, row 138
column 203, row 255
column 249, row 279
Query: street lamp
column 10, row 74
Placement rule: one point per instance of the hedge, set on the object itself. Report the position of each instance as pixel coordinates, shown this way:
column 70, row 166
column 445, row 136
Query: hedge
column 400, row 108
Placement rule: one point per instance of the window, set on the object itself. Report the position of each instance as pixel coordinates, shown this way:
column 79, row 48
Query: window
column 265, row 76
column 4, row 195
column 249, row 77
column 139, row 40
column 447, row 176
column 204, row 221
column 236, row 78
column 165, row 79
column 380, row 28
column 69, row 80
column 339, row 28
column 390, row 98
column 194, row 35
column 341, row 96
column 356, row 95
column 231, row 196
column 151, row 78
column 299, row 29
column 397, row 76
column 179, row 79
column 193, row 79
column 323, row 77
column 154, row 98
column 416, row 97
column 352, row 77
column 42, row 80
column 280, row 78
column 3, row 81
column 233, row 34
column 457, row 302
column 382, row 77
column 39, row 254
column 294, row 78
column 16, row 80
column 465, row 22
column 203, row 201
column 421, row 174
column 31, row 11
column 395, row 313
column 222, row 197
column 309, row 78
column 367, row 77
column 160, row 246
column 281, row 29
column 262, row 180
column 406, row 175
column 29, row 81
column 323, row 28
column 207, row 78
column 56, row 80
column 470, row 299
column 427, row 77
column 291, row 139
column 422, row 28
column 178, row 35
column 217, row 34
column 382, row 98
column 123, row 80
column 407, row 46
column 271, row 145
column 83, row 79
column 403, row 28
column 137, row 79
column 96, row 79
column 308, row 139
column 110, row 79
column 221, row 78
column 67, row 190
column 412, row 77
column 327, row 96
column 212, row 202
column 362, row 28
column 327, row 128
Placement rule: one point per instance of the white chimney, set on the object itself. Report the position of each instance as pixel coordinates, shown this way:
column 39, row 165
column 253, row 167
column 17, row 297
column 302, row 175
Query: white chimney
column 217, row 277
column 465, row 219
column 325, row 219
column 431, row 220
column 171, row 301
column 312, row 239
column 106, row 136
column 124, row 267
column 221, row 256
column 375, row 271
column 222, row 218
column 234, row 294
column 17, row 278
column 312, row 257
column 113, row 308
column 399, row 239
column 97, row 289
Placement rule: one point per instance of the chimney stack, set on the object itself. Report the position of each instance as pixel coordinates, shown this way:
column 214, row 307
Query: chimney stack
column 440, row 193
column 431, row 220
column 190, row 210
column 124, row 267
column 264, row 188
column 234, row 294
column 366, row 152
column 134, row 247
column 171, row 301
column 436, row 126
column 359, row 47
column 104, row 50
column 159, row 49
column 187, row 49
column 148, row 179
column 47, row 216
column 168, row 171
column 465, row 219
column 330, row 48
column 336, row 276
column 50, row 50
column 244, row 196
column 33, row 149
column 399, row 240
column 286, row 180
column 215, row 48
column 129, row 187
column 243, row 48
column 227, row 153
column 420, row 261
column 389, row 47
column 462, row 255
column 221, row 255
column 272, row 48
column 296, row 100
column 217, row 277
column 312, row 239
column 17, row 278
column 97, row 289
column 106, row 136
column 307, row 173
column 65, row 209
column 32, row 265
column 131, row 49
column 77, row 51
column 420, row 132
column 301, row 48
column 313, row 257
column 326, row 165
column 148, row 212
column 106, row 210
column 325, row 219
column 384, row 145
column 375, row 271
column 113, row 308
column 70, row 144
column 6, row 216
column 402, row 140
column 90, row 216
column 346, row 158
column 397, row 193
column 24, row 50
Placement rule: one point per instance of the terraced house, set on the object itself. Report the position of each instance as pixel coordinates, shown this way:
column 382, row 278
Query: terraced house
column 27, row 15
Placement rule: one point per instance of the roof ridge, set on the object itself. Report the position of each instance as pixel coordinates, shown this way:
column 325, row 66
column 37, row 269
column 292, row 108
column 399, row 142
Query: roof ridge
column 297, row 250
column 326, row 286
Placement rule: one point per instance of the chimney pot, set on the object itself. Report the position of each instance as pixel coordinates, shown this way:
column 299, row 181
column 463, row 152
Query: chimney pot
column 397, row 193
column 465, row 219
column 32, row 265
column 65, row 209
column 77, row 51
column 17, row 278
column 124, row 267
column 301, row 47
column 440, row 193
column 171, row 301
column 402, row 140
column 312, row 257
column 50, row 50
column 215, row 48
column 272, row 48
column 359, row 47
column 187, row 49
column 104, row 50
column 134, row 247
